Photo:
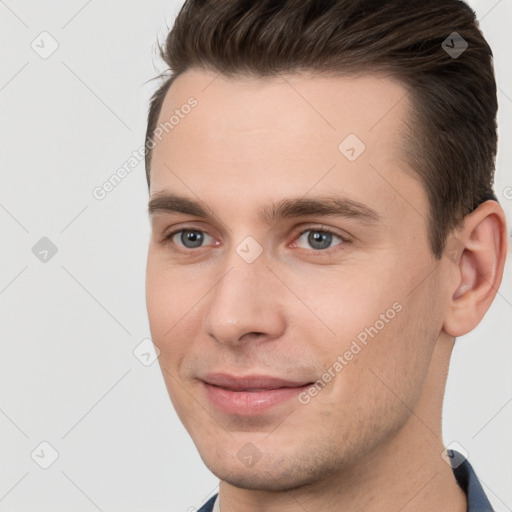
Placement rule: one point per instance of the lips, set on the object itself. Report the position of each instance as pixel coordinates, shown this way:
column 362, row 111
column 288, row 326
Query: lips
column 249, row 395
column 256, row 382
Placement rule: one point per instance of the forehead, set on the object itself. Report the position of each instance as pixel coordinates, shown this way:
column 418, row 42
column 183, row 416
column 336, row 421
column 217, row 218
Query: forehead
column 288, row 135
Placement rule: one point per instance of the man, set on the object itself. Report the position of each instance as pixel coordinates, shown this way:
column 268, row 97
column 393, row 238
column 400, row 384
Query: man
column 323, row 228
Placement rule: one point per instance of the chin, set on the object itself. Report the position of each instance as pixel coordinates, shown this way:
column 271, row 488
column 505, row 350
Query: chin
column 270, row 474
column 263, row 480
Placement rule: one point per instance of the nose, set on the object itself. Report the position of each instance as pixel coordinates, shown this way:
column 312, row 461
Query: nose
column 246, row 304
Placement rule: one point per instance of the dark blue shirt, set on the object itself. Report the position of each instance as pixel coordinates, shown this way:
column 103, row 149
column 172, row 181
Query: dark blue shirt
column 466, row 478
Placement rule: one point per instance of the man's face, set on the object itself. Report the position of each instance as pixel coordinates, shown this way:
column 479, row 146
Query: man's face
column 288, row 297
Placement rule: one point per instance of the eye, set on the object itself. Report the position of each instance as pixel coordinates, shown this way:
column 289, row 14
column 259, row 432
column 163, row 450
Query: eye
column 319, row 239
column 188, row 238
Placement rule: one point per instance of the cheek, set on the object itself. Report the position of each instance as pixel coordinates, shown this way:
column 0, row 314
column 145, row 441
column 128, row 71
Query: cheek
column 382, row 342
column 170, row 298
column 345, row 306
column 392, row 366
column 169, row 307
column 372, row 383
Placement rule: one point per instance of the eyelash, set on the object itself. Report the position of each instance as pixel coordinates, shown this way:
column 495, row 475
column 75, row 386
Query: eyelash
column 344, row 241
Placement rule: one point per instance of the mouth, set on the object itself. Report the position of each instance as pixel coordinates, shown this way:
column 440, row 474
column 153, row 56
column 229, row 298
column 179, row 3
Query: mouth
column 250, row 395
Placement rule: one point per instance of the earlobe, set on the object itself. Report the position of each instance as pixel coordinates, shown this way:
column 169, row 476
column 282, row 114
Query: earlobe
column 478, row 270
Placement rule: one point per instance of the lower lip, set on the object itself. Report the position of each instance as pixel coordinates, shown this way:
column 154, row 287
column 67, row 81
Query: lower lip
column 249, row 403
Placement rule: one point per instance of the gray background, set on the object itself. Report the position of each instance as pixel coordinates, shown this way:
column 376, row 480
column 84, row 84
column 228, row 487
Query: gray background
column 70, row 325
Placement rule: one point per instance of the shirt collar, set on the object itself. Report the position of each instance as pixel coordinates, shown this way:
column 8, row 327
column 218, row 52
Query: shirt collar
column 469, row 483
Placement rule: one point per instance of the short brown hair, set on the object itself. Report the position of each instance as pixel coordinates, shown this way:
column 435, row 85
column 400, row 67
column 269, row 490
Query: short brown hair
column 452, row 131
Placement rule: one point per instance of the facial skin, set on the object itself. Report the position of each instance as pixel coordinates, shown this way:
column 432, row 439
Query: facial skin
column 371, row 439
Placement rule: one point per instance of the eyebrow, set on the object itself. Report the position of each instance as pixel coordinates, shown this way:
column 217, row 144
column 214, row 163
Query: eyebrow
column 284, row 209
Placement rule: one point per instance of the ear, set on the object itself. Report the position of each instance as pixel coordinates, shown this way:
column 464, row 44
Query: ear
column 476, row 254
